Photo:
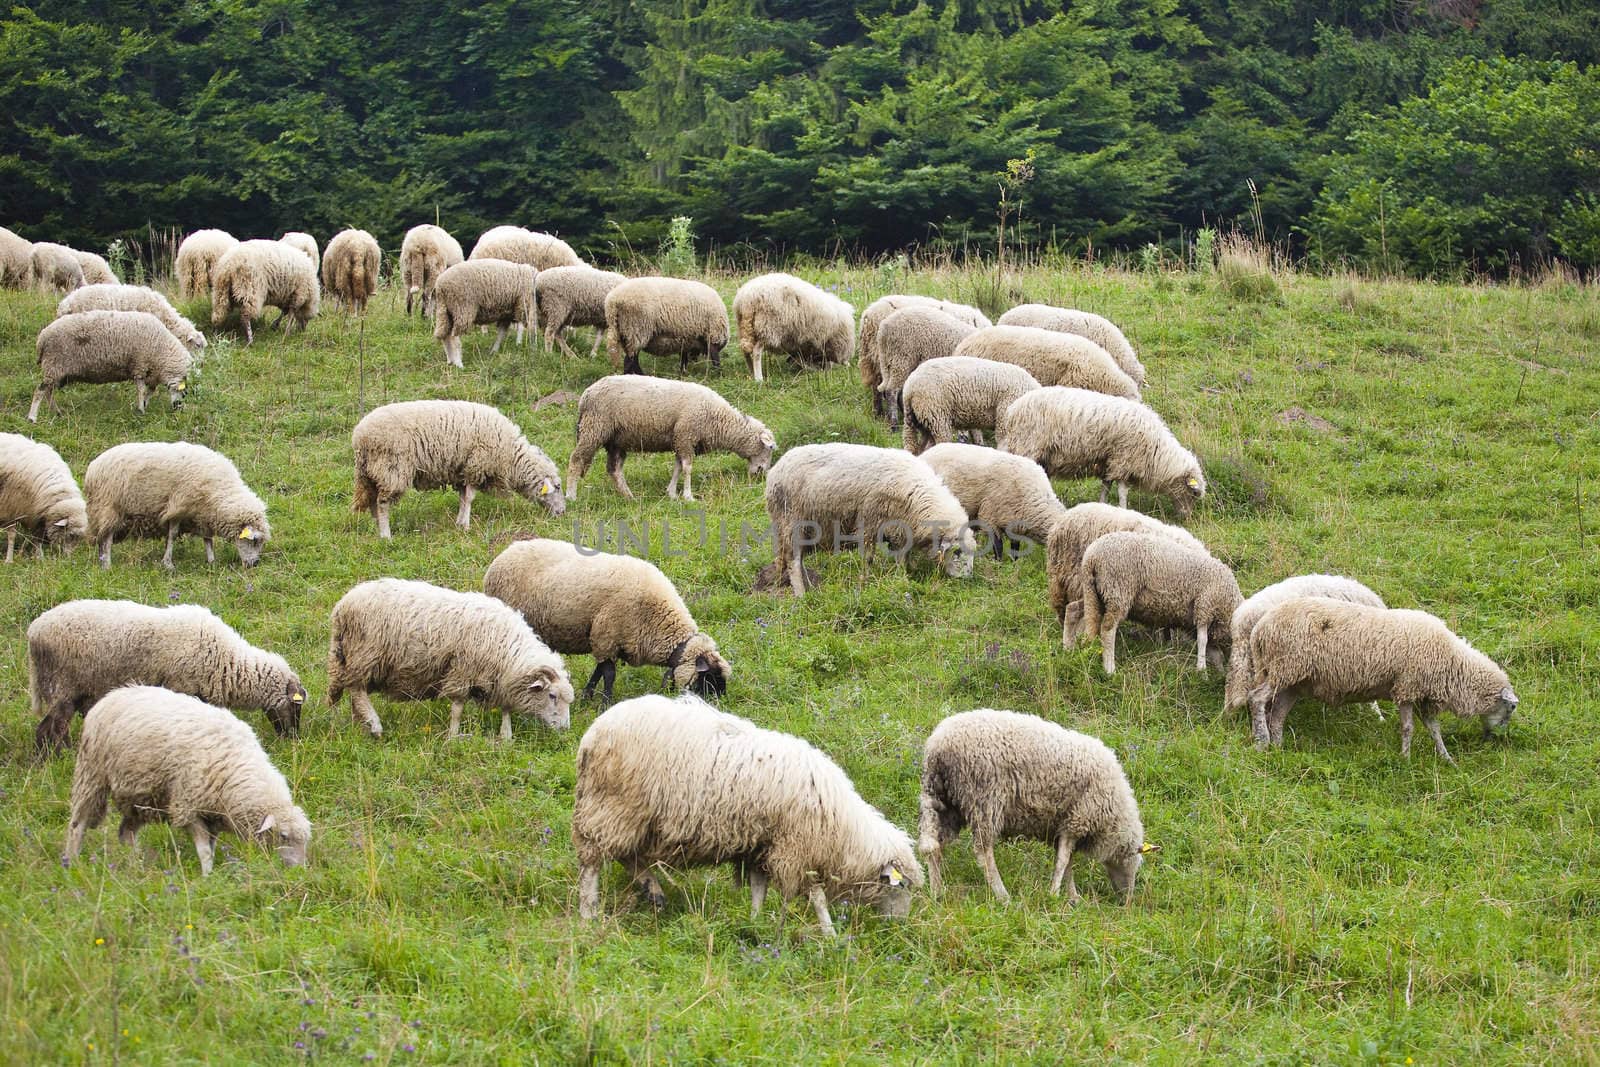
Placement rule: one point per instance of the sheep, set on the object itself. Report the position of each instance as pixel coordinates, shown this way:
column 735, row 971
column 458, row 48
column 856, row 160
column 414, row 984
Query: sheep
column 110, row 346
column 678, row 782
column 1009, row 496
column 260, row 274
column 144, row 488
column 1005, row 774
column 1151, row 578
column 56, row 267
column 133, row 298
column 456, row 444
column 426, row 253
column 1247, row 614
column 611, row 607
column 482, row 292
column 96, row 271
column 305, row 243
column 1053, row 358
column 196, row 264
column 626, row 412
column 167, row 757
column 881, row 309
column 1077, row 529
column 1336, row 651
column 664, row 316
column 828, row 496
column 1100, row 330
column 954, row 393
column 350, row 268
column 16, row 261
column 38, row 496
column 909, row 338
column 1075, row 433
column 81, row 650
column 787, row 314
column 574, row 296
column 541, row 251
column 416, row 641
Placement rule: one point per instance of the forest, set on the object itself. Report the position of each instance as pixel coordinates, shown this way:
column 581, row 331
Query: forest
column 1428, row 137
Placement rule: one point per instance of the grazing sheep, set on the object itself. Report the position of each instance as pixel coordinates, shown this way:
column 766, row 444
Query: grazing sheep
column 197, row 261
column 133, row 298
column 110, row 346
column 611, row 607
column 426, row 253
column 305, row 243
column 1076, row 433
column 482, row 292
column 56, row 267
column 625, row 412
column 881, row 309
column 416, row 641
column 1009, row 775
column 1053, row 358
column 664, row 316
column 16, row 261
column 1100, row 330
column 350, row 266
column 96, row 271
column 1241, row 672
column 166, row 757
column 1074, row 532
column 38, row 496
column 1010, row 496
column 541, row 251
column 788, row 314
column 144, row 489
column 1151, row 578
column 834, row 495
column 81, row 650
column 574, row 296
column 678, row 782
column 1336, row 652
column 958, row 393
column 907, row 339
column 261, row 274
column 455, row 444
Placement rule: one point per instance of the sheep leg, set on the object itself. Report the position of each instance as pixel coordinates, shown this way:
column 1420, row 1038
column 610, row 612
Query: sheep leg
column 1201, row 634
column 977, row 437
column 1108, row 643
column 649, row 888
column 143, row 396
column 204, row 845
column 38, row 550
column 105, row 552
column 672, row 486
column 211, row 551
column 464, row 513
column 588, row 891
column 380, row 511
column 11, row 542
column 39, row 396
column 983, row 848
column 797, row 575
column 365, row 713
column 614, row 461
column 1431, row 721
column 520, row 328
column 172, row 537
column 1280, row 712
column 935, row 861
column 74, row 841
column 452, row 351
column 1122, row 494
column 1405, row 728
column 500, row 335
column 605, row 672
column 456, row 707
column 128, row 832
column 1064, row 847
column 819, row 903
column 688, row 475
column 1105, row 487
column 249, row 334
column 753, row 358
column 599, row 335
column 561, row 340
column 758, row 891
column 505, row 725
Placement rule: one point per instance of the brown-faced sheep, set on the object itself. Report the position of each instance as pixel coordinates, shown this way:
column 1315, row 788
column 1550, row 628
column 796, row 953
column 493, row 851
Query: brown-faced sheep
column 665, row 317
column 955, row 393
column 196, row 264
column 350, row 267
column 574, row 296
column 133, row 298
column 782, row 313
column 1102, row 331
column 1240, row 670
column 257, row 275
column 482, row 292
column 881, row 309
column 906, row 340
column 1052, row 358
column 110, row 346
column 1008, row 496
column 38, row 496
column 427, row 252
column 541, row 251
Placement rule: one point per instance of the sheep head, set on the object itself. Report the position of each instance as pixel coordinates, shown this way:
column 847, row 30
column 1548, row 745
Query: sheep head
column 288, row 833
column 543, row 693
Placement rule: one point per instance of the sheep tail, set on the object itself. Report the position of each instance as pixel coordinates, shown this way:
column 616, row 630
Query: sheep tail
column 366, row 495
column 1092, row 607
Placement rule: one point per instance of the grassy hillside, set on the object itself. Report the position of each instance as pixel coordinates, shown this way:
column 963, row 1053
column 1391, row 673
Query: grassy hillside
column 1327, row 902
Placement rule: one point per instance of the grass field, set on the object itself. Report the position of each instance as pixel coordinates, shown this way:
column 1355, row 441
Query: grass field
column 1328, row 902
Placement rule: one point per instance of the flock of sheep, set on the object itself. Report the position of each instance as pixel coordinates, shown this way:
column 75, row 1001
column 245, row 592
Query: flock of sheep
column 665, row 781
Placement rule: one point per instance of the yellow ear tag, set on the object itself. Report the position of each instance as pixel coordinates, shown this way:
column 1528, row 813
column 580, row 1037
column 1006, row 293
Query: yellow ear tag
column 182, row 386
column 1194, row 483
column 895, row 877
column 246, row 533
column 297, row 699
column 544, row 490
column 1147, row 847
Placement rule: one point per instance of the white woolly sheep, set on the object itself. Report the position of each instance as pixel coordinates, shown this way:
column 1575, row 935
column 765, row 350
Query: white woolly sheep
column 611, row 607
column 881, row 309
column 955, row 393
column 626, row 413
column 834, row 495
column 426, row 253
column 81, row 650
column 1074, row 532
column 16, row 261
column 416, row 641
column 574, row 296
column 196, row 264
column 447, row 444
column 38, row 496
column 1240, row 670
column 1008, row 496
column 1053, row 358
column 664, row 316
column 305, row 243
column 350, row 266
column 110, row 346
column 483, row 292
column 677, row 782
column 96, row 271
column 133, row 298
column 906, row 340
column 782, row 313
column 167, row 757
column 1102, row 331
column 541, row 251
column 1151, row 578
column 56, row 267
column 1335, row 651
column 1004, row 774
column 145, row 489
column 1077, row 433
column 261, row 274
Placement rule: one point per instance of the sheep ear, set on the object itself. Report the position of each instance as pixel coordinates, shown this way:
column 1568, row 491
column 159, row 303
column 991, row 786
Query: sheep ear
column 538, row 685
column 61, row 522
column 545, row 488
column 890, row 875
column 1193, row 483
column 1147, row 848
column 246, row 534
column 266, row 824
